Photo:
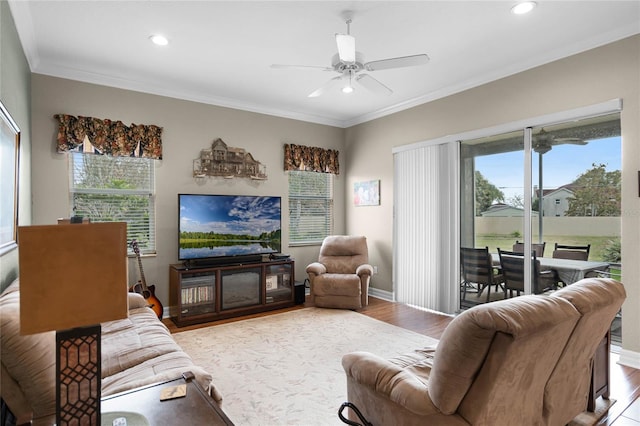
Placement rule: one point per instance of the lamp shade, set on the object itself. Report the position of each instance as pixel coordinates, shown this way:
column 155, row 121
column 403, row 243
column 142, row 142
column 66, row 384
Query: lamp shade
column 72, row 275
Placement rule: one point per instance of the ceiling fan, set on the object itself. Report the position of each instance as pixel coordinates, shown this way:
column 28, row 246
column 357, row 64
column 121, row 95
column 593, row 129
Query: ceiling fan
column 543, row 141
column 350, row 64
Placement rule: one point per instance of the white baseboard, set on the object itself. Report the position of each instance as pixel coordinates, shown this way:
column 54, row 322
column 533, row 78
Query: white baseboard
column 629, row 358
column 381, row 294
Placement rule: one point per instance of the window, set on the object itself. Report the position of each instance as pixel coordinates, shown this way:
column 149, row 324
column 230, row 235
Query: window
column 115, row 189
column 310, row 207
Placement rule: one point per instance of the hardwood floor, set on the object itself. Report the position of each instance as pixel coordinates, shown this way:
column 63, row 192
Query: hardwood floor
column 625, row 381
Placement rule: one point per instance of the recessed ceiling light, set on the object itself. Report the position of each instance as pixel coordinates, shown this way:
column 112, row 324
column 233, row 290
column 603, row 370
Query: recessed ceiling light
column 159, row 40
column 523, row 7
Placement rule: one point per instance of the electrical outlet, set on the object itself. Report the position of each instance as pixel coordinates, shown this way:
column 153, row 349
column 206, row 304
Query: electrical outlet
column 375, row 269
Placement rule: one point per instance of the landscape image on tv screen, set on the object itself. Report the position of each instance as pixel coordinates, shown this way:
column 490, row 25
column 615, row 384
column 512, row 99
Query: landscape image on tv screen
column 228, row 225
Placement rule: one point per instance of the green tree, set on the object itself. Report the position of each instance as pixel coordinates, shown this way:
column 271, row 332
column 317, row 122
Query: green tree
column 486, row 193
column 114, row 189
column 535, row 204
column 516, row 201
column 596, row 193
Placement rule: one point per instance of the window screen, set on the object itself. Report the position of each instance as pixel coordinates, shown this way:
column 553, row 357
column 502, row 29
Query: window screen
column 310, row 207
column 115, row 189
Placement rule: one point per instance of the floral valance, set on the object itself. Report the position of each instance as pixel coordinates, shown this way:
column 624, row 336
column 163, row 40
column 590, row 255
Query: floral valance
column 311, row 159
column 109, row 137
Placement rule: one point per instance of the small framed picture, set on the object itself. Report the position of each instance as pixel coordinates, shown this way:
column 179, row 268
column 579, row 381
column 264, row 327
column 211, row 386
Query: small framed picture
column 271, row 282
column 366, row 193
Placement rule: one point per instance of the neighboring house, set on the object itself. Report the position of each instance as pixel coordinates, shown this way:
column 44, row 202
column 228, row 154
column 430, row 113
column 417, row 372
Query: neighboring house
column 504, row 210
column 555, row 202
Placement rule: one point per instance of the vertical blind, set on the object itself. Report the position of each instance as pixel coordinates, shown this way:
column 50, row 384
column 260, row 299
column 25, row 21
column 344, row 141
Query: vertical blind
column 425, row 259
column 115, row 189
column 310, row 207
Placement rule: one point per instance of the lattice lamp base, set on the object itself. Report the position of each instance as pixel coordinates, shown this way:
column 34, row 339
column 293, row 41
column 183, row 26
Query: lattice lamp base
column 78, row 376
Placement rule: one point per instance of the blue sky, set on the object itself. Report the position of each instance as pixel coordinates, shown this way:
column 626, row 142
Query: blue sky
column 562, row 165
column 229, row 214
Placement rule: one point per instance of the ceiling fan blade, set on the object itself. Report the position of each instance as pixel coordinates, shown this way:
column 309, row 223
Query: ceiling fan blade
column 574, row 141
column 346, row 47
column 326, row 87
column 372, row 84
column 403, row 61
column 313, row 67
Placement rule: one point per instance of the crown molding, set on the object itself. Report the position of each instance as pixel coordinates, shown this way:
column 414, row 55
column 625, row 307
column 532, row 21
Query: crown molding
column 22, row 17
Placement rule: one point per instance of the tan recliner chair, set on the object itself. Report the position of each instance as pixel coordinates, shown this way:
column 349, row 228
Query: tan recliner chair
column 520, row 361
column 340, row 277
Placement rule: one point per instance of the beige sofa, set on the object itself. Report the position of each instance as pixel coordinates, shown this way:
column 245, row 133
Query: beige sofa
column 136, row 351
column 522, row 361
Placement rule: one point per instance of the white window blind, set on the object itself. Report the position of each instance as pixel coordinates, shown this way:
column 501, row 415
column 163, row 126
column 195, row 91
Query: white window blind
column 115, row 189
column 426, row 227
column 310, row 207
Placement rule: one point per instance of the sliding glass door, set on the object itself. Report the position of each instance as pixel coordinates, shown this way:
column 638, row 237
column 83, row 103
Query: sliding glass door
column 540, row 186
column 492, row 179
column 546, row 180
column 493, row 215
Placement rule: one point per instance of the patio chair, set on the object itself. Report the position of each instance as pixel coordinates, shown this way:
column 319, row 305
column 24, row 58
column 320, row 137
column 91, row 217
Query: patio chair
column 518, row 247
column 512, row 264
column 478, row 271
column 562, row 251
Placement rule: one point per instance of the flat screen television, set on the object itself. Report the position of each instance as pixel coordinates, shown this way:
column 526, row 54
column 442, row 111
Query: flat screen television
column 228, row 227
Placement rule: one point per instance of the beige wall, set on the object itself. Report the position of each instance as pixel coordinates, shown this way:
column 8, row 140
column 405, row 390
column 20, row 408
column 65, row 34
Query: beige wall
column 188, row 127
column 589, row 78
column 15, row 89
column 592, row 77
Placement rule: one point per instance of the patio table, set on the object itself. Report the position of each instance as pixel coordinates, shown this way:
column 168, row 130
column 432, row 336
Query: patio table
column 569, row 270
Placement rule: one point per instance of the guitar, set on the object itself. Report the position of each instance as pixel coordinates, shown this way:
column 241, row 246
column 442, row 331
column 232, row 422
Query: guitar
column 141, row 287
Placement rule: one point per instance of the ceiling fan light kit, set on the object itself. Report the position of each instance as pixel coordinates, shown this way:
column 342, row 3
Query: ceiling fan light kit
column 350, row 63
column 348, row 88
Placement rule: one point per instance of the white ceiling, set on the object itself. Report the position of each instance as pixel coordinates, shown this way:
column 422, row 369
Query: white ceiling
column 220, row 52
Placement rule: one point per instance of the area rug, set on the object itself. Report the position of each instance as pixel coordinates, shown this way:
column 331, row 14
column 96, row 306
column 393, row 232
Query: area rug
column 285, row 369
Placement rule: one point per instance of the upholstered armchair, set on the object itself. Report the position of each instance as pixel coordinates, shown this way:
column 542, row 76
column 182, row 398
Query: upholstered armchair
column 340, row 278
column 520, row 361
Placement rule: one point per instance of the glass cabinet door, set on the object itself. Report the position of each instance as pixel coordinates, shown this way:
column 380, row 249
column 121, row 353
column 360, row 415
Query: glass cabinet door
column 278, row 283
column 240, row 288
column 198, row 293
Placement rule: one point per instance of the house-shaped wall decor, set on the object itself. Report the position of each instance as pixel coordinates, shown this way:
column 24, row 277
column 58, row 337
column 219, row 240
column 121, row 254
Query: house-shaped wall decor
column 227, row 162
